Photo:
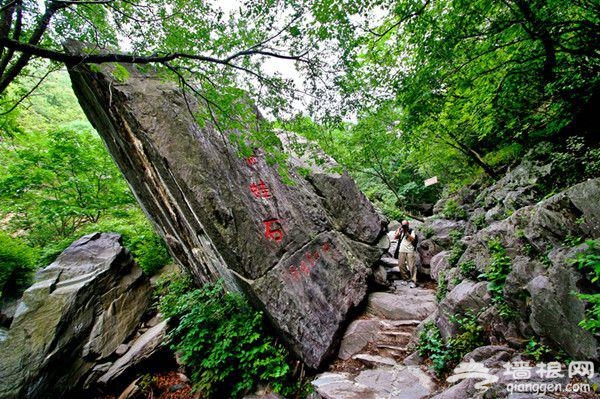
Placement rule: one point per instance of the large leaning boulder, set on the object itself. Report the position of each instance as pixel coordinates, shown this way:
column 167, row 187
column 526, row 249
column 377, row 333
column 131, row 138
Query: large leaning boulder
column 301, row 252
column 79, row 310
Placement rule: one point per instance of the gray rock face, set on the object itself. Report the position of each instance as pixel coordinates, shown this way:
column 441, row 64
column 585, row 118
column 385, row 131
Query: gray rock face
column 441, row 231
column 143, row 348
column 80, row 309
column 534, row 238
column 468, row 296
column 439, row 263
column 300, row 252
column 358, row 334
column 405, row 304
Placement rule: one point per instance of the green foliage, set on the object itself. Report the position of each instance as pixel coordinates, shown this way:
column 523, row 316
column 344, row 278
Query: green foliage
column 148, row 249
column 456, row 235
column 376, row 154
column 17, row 261
column 573, row 240
column 537, row 350
column 223, row 341
column 452, row 210
column 57, row 182
column 458, row 249
column 120, row 73
column 442, row 287
column 432, row 345
column 444, row 356
column 479, row 221
column 589, row 262
column 427, row 231
column 468, row 269
column 498, row 270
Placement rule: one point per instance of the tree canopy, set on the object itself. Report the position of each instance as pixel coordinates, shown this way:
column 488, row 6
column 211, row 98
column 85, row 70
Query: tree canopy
column 470, row 85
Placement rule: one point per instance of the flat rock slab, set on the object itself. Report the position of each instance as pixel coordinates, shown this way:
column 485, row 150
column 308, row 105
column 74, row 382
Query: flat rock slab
column 374, row 360
column 405, row 304
column 358, row 335
column 398, row 382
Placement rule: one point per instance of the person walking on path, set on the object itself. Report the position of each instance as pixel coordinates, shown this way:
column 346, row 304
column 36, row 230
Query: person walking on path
column 406, row 255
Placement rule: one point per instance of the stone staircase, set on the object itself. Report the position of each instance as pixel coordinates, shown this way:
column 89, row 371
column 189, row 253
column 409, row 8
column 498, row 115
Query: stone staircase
column 376, row 359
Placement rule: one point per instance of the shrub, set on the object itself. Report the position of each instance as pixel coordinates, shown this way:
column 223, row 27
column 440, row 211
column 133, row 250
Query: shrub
column 454, row 211
column 498, row 270
column 223, row 341
column 17, row 262
column 444, row 356
column 428, row 231
column 468, row 269
column 458, row 249
column 589, row 262
column 478, row 221
column 442, row 287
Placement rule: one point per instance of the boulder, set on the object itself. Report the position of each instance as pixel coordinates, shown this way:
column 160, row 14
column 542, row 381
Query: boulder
column 427, row 249
column 374, row 360
column 542, row 280
column 405, row 304
column 299, row 247
column 517, row 188
column 439, row 263
column 358, row 334
column 442, row 228
column 468, row 296
column 78, row 311
column 380, row 276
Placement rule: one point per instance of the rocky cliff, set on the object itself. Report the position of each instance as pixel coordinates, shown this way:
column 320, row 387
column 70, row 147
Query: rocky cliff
column 299, row 251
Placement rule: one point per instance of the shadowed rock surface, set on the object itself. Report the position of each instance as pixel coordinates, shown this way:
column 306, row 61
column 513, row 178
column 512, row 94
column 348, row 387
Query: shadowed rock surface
column 215, row 209
column 80, row 309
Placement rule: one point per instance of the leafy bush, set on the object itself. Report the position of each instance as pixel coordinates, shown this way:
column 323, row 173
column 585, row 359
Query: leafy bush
column 17, row 262
column 427, row 231
column 478, row 221
column 454, row 211
column 498, row 270
column 442, row 287
column 458, row 249
column 223, row 341
column 444, row 356
column 589, row 262
column 537, row 350
column 468, row 269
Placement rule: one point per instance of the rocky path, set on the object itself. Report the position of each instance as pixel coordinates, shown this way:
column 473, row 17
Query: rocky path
column 376, row 358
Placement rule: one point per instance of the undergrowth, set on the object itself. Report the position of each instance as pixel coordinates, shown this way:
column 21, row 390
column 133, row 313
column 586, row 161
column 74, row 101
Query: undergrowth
column 223, row 341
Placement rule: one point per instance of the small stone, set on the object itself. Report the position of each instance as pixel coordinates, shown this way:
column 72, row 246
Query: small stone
column 122, row 349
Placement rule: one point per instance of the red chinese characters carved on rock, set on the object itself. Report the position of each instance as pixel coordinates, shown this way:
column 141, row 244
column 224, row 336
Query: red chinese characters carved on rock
column 251, row 160
column 306, row 266
column 260, row 190
column 273, row 230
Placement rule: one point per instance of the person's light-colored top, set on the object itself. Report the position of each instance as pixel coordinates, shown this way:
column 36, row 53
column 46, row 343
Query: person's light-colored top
column 405, row 244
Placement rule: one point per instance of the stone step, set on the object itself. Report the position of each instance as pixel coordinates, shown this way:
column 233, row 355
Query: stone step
column 393, row 324
column 397, row 382
column 374, row 360
column 397, row 333
column 388, row 262
column 392, row 347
